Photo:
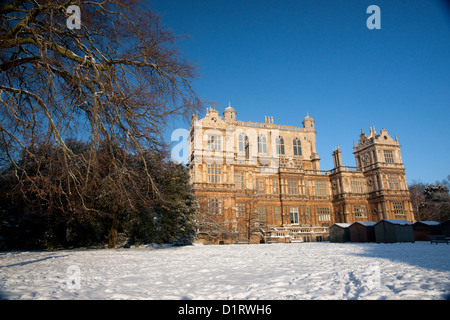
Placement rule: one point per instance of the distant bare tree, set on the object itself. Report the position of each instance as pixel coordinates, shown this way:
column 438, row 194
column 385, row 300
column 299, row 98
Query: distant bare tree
column 116, row 81
column 431, row 202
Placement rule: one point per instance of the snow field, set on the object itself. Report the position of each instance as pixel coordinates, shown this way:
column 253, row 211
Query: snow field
column 307, row 271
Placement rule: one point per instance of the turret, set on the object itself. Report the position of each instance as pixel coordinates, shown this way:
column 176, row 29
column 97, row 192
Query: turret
column 308, row 123
column 229, row 114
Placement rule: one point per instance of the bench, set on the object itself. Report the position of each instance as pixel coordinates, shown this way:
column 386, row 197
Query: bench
column 439, row 239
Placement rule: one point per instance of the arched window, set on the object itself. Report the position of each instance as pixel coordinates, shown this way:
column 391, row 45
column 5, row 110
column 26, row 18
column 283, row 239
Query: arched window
column 244, row 145
column 297, row 147
column 262, row 144
column 280, row 145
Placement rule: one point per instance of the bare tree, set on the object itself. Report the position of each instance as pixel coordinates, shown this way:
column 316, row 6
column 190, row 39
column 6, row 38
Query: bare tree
column 118, row 79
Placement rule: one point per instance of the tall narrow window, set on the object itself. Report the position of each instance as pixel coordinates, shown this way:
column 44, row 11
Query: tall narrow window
column 297, row 147
column 261, row 213
column 292, row 186
column 239, row 180
column 276, row 186
column 260, row 185
column 279, row 142
column 214, row 173
column 277, row 213
column 242, row 140
column 294, row 215
column 262, row 144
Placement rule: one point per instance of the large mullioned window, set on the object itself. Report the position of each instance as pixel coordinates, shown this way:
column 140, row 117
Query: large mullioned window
column 214, row 173
column 214, row 142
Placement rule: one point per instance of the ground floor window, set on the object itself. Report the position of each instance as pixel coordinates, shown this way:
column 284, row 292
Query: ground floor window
column 294, row 215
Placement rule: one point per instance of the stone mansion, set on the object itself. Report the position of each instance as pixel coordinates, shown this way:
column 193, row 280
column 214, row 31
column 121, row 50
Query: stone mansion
column 262, row 182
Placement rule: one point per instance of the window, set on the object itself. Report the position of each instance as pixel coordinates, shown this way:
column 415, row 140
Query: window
column 277, row 213
column 214, row 173
column 357, row 186
column 262, row 144
column 294, row 215
column 398, row 208
column 214, row 142
column 308, row 216
column 321, row 188
column 297, row 147
column 215, row 206
column 241, row 141
column 276, row 186
column 388, row 156
column 239, row 180
column 359, row 211
column 324, row 214
column 240, row 210
column 292, row 186
column 393, row 182
column 260, row 185
column 261, row 213
column 279, row 142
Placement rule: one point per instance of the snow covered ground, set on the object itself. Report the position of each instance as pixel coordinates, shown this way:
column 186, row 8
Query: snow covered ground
column 319, row 270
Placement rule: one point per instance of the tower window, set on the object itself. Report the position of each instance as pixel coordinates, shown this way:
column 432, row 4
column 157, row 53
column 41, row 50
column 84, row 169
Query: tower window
column 393, row 181
column 214, row 142
column 398, row 208
column 388, row 156
column 360, row 211
column 214, row 173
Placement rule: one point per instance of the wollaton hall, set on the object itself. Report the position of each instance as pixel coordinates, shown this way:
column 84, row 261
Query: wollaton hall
column 261, row 182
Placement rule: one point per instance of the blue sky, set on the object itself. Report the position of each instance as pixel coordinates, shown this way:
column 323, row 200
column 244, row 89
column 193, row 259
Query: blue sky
column 284, row 58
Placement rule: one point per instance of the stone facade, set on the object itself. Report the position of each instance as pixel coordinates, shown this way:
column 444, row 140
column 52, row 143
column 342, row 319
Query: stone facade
column 261, row 182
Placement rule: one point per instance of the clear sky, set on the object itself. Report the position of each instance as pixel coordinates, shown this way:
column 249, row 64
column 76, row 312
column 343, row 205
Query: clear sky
column 284, row 58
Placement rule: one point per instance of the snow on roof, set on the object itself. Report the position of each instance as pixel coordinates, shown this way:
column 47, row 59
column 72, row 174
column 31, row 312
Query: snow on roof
column 366, row 223
column 397, row 221
column 430, row 223
column 343, row 225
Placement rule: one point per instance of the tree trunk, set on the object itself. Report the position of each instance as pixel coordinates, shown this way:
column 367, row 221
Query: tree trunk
column 112, row 243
